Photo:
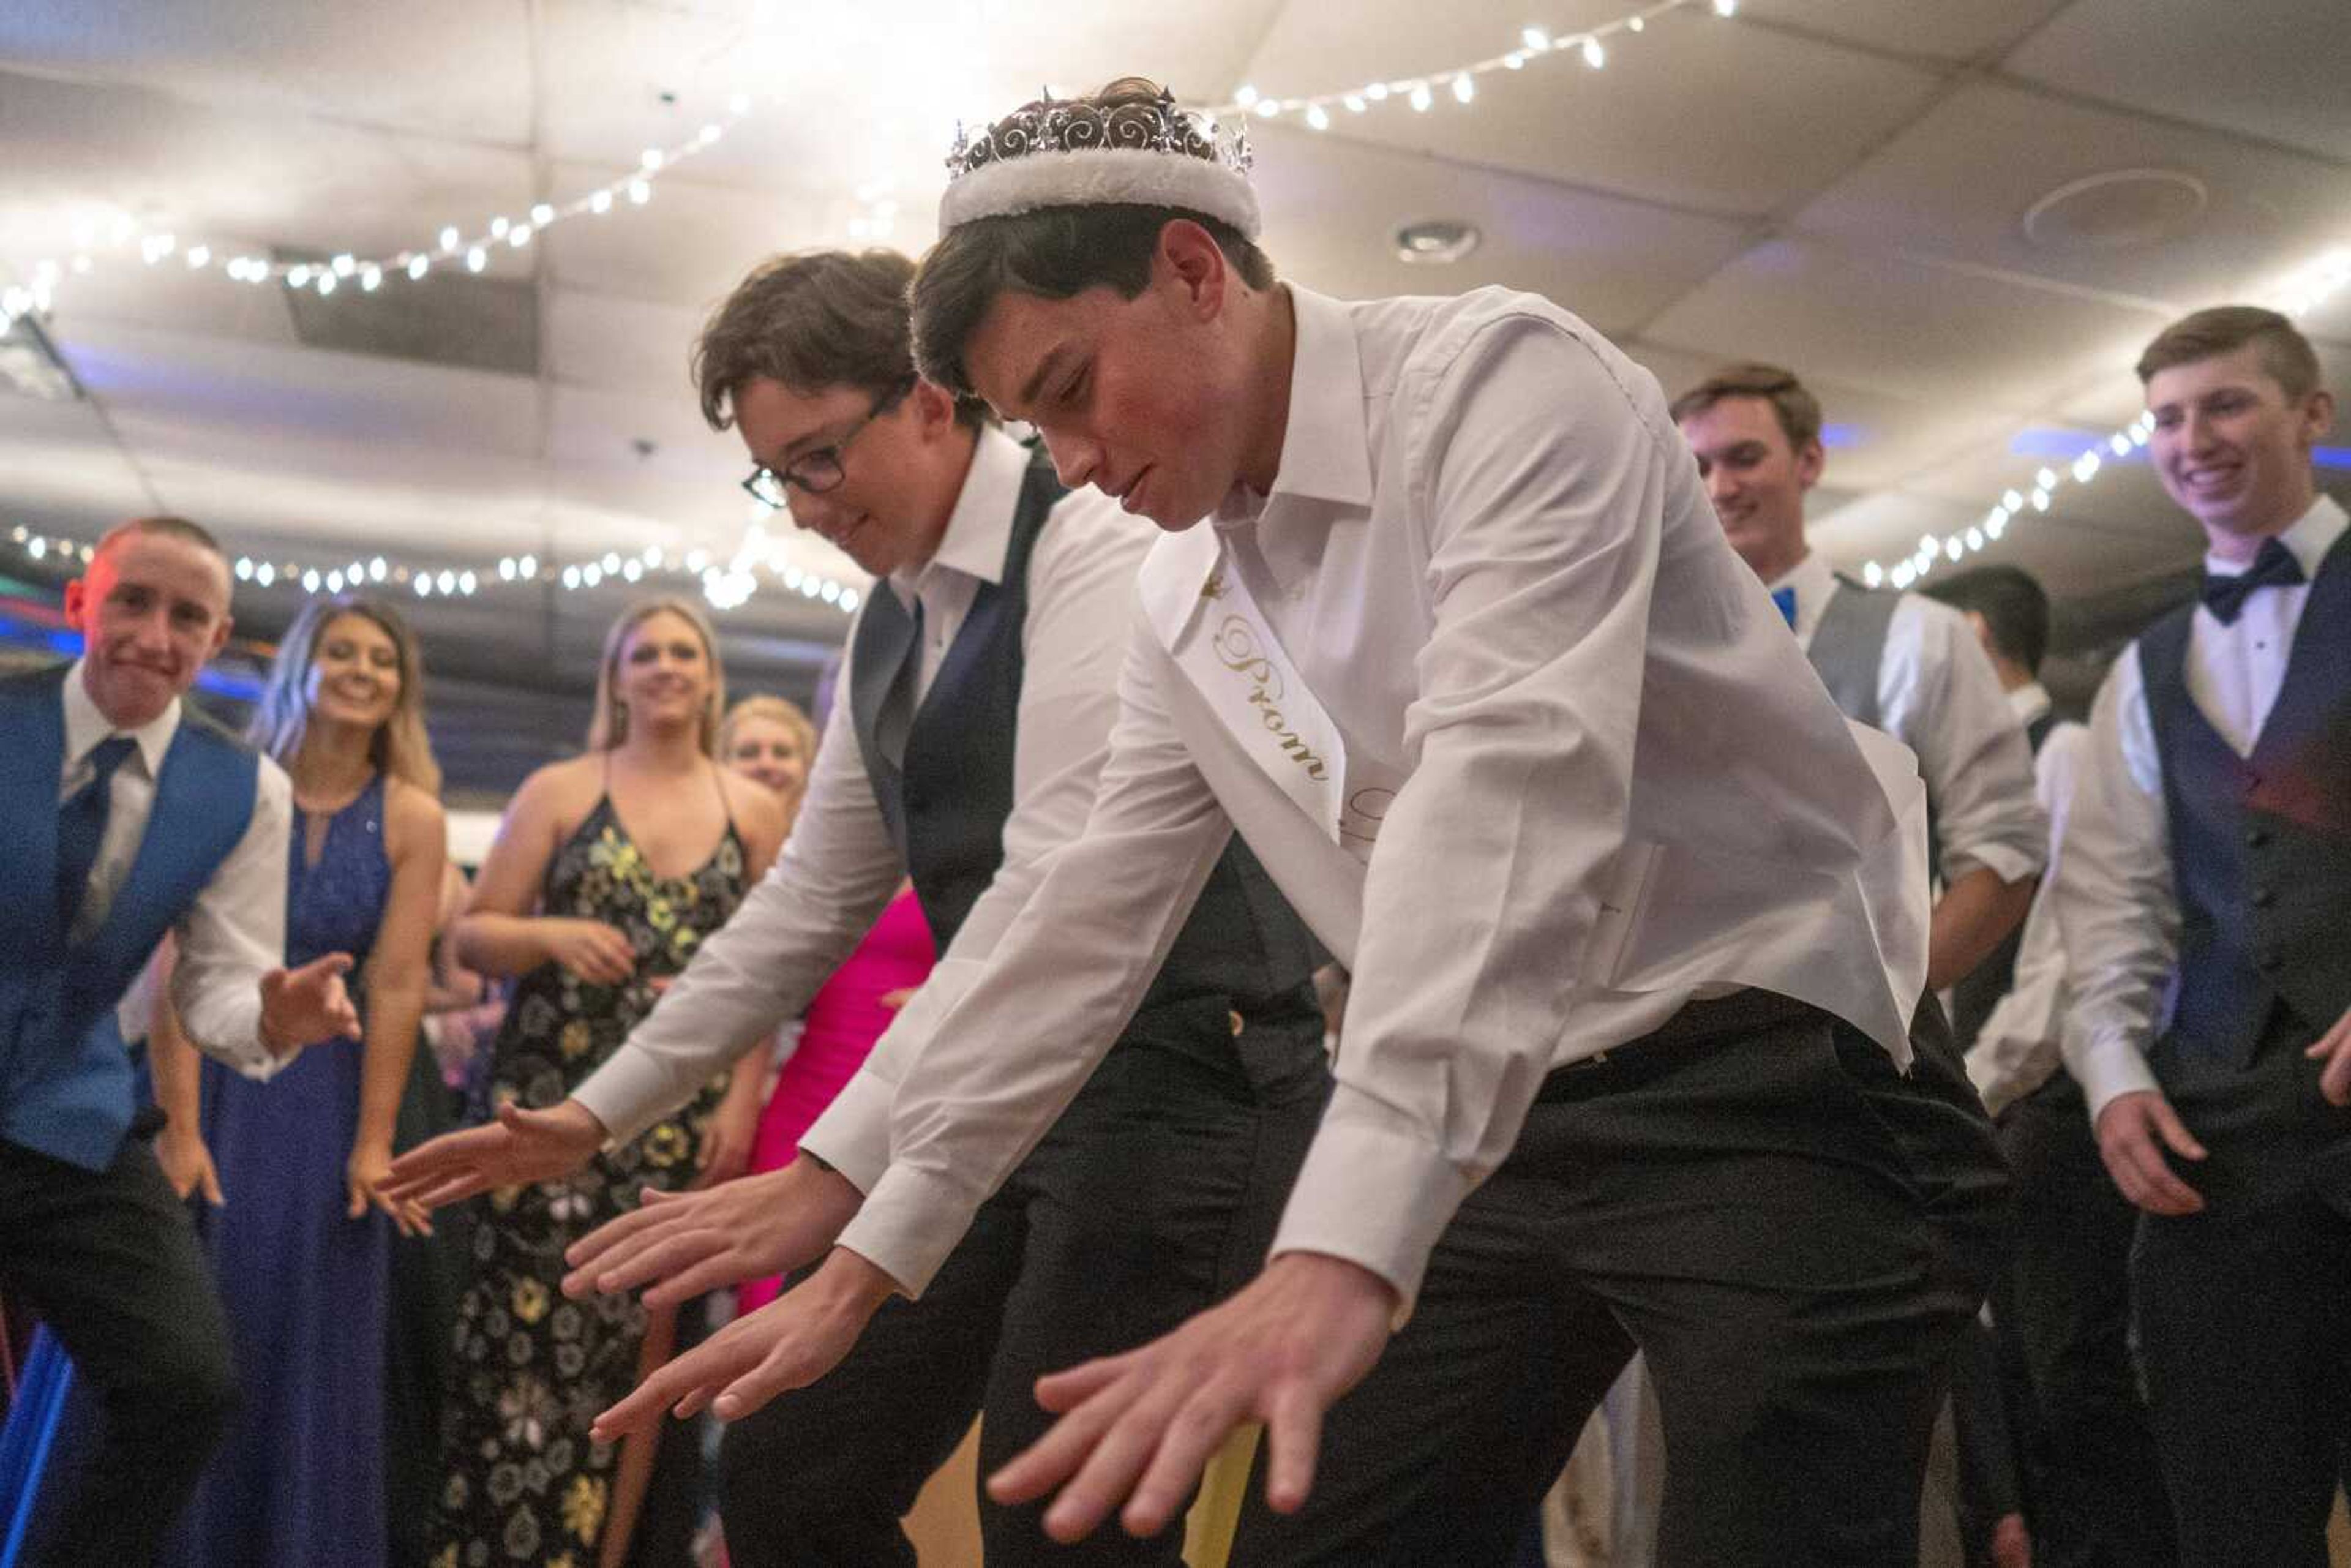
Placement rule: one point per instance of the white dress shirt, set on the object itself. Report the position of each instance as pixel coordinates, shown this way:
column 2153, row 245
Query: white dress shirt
column 839, row 867
column 2021, row 1044
column 235, row 932
column 2118, row 903
column 1938, row 695
column 1519, row 737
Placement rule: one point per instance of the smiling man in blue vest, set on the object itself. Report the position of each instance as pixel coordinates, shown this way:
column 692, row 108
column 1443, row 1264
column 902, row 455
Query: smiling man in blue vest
column 130, row 818
column 2203, row 898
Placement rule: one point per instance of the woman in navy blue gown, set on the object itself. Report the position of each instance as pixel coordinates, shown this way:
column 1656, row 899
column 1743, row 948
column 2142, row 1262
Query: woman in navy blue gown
column 299, row 1239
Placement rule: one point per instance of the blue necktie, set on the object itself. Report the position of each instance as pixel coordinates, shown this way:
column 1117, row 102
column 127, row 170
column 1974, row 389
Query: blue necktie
column 2273, row 567
column 1785, row 598
column 82, row 825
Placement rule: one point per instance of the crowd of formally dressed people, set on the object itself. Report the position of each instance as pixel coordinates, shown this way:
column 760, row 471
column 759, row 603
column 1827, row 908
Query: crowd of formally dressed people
column 1370, row 884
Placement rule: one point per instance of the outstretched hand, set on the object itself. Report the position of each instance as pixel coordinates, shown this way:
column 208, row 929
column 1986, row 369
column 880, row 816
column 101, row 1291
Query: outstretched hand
column 519, row 1146
column 789, row 1344
column 684, row 1244
column 308, row 1004
column 1139, row 1429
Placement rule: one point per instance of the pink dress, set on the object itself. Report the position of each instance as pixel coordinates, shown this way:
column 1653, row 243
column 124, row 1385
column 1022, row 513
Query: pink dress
column 843, row 1021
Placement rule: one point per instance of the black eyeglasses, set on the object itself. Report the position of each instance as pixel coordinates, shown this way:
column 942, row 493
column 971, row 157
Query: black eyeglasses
column 814, row 473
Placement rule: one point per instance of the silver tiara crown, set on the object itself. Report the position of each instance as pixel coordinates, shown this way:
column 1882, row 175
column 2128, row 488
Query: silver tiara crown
column 1065, row 125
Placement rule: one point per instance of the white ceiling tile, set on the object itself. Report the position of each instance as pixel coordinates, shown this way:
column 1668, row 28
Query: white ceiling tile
column 1696, row 111
column 1958, row 185
column 1968, row 30
column 2271, row 68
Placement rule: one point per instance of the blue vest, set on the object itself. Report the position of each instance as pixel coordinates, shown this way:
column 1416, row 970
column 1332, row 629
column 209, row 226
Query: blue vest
column 65, row 1083
column 2260, row 845
column 946, row 804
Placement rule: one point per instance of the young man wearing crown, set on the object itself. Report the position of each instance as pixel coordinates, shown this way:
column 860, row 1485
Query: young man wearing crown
column 2204, row 897
column 1443, row 623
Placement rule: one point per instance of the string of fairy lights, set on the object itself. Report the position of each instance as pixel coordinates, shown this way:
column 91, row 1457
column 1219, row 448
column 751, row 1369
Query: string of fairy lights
column 759, row 558
column 2300, row 293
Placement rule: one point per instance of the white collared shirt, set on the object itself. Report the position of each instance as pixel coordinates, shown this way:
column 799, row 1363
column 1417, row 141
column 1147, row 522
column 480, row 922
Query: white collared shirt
column 1938, row 695
column 2019, row 1046
column 234, row 933
column 839, row 867
column 1499, row 582
column 2117, row 900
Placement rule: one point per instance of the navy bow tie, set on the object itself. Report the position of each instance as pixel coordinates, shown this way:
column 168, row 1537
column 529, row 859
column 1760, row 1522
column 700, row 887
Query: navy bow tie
column 2273, row 567
column 1785, row 599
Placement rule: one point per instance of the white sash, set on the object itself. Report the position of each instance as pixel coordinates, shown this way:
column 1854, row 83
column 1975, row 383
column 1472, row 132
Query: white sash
column 1225, row 649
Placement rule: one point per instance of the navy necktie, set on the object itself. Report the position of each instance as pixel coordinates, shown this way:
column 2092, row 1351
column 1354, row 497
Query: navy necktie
column 1785, row 599
column 82, row 825
column 2273, row 567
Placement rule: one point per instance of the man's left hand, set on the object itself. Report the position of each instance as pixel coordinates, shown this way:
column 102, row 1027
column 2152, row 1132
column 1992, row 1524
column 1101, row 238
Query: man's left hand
column 309, row 1004
column 1139, row 1429
column 2334, row 1047
column 789, row 1344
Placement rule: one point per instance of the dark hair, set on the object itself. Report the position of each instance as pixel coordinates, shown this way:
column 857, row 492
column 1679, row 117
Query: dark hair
column 810, row 321
column 1053, row 252
column 1798, row 409
column 2286, row 354
column 2012, row 603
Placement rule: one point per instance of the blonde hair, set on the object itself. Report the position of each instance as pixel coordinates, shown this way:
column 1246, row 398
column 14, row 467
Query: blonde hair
column 2284, row 352
column 776, row 710
column 609, row 725
column 400, row 749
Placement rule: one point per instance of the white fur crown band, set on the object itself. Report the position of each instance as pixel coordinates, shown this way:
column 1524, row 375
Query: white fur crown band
column 1057, row 154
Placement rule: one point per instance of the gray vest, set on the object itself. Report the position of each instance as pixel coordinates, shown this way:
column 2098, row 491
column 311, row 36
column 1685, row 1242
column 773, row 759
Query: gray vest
column 1849, row 645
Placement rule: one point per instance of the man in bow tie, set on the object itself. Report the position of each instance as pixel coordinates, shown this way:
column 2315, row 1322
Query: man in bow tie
column 131, row 818
column 2204, row 897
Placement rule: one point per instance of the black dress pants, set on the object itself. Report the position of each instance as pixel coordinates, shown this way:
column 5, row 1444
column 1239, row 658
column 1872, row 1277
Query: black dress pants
column 2240, row 1309
column 1154, row 1197
column 1793, row 1232
column 2063, row 1310
column 109, row 1260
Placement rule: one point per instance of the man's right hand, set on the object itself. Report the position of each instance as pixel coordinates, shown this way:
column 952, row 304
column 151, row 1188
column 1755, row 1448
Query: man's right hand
column 2134, row 1130
column 687, row 1243
column 520, row 1146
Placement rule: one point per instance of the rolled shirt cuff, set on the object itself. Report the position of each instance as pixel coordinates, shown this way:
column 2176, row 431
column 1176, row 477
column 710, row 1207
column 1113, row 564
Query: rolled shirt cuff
column 2010, row 863
column 1375, row 1192
column 852, row 1135
column 2109, row 1068
column 629, row 1094
column 911, row 1220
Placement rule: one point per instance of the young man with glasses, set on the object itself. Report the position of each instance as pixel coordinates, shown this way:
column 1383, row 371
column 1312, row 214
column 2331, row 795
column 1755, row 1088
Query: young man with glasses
column 981, row 684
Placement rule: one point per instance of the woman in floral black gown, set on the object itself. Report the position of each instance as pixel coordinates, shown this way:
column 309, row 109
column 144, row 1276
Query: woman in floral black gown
column 607, row 872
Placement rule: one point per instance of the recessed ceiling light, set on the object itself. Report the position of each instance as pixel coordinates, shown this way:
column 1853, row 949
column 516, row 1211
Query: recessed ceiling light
column 1434, row 242
column 2117, row 209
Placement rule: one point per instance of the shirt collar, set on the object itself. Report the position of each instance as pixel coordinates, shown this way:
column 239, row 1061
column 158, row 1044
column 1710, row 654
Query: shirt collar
column 980, row 527
column 86, row 727
column 2312, row 536
column 2029, row 702
column 1325, row 446
column 1813, row 578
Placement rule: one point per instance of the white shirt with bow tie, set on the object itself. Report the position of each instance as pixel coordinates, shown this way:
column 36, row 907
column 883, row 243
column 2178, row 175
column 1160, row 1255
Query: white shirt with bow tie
column 1519, row 737
column 2115, row 894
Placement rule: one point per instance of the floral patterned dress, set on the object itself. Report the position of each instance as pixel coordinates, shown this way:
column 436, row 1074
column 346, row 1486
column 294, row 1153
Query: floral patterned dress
column 532, row 1369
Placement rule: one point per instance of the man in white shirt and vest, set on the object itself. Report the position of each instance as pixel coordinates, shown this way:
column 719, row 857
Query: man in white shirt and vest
column 2062, row 1307
column 974, row 716
column 133, row 818
column 1442, row 625
column 1898, row 662
column 2204, row 895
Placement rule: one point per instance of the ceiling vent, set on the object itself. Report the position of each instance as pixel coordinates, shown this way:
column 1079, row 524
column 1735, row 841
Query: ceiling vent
column 447, row 317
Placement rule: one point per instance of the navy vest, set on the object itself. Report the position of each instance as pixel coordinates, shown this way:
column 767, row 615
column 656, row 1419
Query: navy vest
column 66, row 1081
column 2260, row 845
column 946, row 805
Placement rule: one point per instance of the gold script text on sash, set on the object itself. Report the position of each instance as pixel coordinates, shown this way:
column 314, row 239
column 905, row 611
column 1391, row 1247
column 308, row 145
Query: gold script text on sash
column 1236, row 649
